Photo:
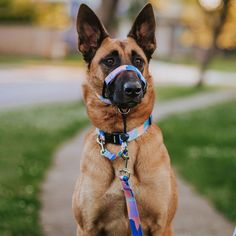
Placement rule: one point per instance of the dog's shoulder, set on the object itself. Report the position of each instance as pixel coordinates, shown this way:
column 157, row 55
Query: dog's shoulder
column 154, row 132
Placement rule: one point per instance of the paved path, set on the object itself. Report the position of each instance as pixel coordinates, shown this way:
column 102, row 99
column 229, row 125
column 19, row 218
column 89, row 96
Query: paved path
column 39, row 84
column 30, row 85
column 195, row 216
column 188, row 75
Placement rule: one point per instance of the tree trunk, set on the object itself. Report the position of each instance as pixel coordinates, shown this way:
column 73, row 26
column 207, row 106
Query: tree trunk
column 205, row 61
column 108, row 14
column 210, row 53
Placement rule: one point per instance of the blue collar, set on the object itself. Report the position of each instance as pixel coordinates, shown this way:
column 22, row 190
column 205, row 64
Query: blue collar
column 120, row 138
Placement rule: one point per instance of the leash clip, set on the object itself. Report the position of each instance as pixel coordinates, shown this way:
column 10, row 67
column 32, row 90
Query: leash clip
column 101, row 143
column 125, row 172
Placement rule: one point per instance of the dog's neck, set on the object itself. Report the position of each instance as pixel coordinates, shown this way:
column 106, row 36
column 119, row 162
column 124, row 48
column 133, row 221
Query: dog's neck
column 109, row 119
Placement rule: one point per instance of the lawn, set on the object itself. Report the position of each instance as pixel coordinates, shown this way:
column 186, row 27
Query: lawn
column 28, row 139
column 218, row 63
column 171, row 92
column 203, row 149
column 70, row 60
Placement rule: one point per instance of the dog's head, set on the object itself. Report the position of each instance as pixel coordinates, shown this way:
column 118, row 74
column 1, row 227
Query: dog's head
column 104, row 54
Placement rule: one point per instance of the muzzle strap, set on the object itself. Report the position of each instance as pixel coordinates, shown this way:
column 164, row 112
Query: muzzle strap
column 122, row 68
column 104, row 100
column 108, row 80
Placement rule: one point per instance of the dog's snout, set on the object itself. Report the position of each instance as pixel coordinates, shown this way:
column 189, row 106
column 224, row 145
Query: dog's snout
column 132, row 88
column 127, row 90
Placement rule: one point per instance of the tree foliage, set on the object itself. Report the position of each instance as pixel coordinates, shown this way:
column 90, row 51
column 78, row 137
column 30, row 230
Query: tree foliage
column 135, row 7
column 210, row 30
column 108, row 16
column 203, row 26
column 33, row 12
column 17, row 11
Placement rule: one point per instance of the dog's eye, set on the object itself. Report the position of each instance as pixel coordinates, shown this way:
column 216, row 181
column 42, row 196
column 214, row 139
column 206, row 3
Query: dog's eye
column 109, row 61
column 138, row 62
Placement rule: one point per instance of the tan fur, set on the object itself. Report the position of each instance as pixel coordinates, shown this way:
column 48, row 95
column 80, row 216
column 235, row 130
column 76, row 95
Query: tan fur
column 98, row 200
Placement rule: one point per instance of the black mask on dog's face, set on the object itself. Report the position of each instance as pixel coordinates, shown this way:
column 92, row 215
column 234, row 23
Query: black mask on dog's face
column 124, row 87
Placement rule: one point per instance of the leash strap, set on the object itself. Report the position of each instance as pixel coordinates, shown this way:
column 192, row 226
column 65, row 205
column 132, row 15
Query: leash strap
column 134, row 220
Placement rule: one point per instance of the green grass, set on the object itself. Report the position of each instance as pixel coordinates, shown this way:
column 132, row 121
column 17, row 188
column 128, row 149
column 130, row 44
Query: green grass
column 202, row 146
column 218, row 63
column 28, row 139
column 227, row 63
column 171, row 92
column 70, row 60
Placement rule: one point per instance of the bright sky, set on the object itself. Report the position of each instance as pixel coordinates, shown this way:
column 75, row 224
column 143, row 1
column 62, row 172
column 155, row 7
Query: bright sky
column 210, row 4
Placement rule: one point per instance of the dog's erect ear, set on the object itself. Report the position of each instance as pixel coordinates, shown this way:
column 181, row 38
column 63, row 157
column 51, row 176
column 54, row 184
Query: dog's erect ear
column 143, row 30
column 91, row 32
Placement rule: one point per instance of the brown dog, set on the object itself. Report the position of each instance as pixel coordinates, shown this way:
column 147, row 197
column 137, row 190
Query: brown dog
column 98, row 201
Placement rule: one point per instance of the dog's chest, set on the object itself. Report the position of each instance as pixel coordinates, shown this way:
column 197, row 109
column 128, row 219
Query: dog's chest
column 109, row 213
column 112, row 213
column 101, row 198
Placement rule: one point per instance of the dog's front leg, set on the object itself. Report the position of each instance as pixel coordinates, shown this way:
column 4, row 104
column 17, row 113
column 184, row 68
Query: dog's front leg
column 168, row 231
column 80, row 232
column 163, row 232
column 162, row 226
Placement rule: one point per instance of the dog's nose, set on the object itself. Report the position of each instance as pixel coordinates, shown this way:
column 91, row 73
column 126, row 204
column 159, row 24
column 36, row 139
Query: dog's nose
column 132, row 88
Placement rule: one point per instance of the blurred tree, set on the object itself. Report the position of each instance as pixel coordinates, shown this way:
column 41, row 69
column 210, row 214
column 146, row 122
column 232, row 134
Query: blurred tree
column 53, row 15
column 210, row 28
column 135, row 7
column 219, row 20
column 107, row 12
column 34, row 12
column 16, row 11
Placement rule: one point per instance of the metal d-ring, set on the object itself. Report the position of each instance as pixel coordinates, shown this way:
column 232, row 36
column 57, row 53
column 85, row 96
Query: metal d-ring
column 125, row 171
column 124, row 112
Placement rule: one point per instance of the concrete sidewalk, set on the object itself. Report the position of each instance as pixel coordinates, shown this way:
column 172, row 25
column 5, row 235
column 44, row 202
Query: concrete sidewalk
column 195, row 216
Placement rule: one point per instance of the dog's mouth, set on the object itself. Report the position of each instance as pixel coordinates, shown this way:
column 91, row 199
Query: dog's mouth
column 126, row 91
column 124, row 87
column 127, row 105
column 123, row 101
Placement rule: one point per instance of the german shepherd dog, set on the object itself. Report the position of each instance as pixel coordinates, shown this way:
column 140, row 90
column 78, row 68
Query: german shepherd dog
column 98, row 200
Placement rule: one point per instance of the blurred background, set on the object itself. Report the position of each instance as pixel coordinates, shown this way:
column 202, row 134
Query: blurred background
column 195, row 32
column 40, row 101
